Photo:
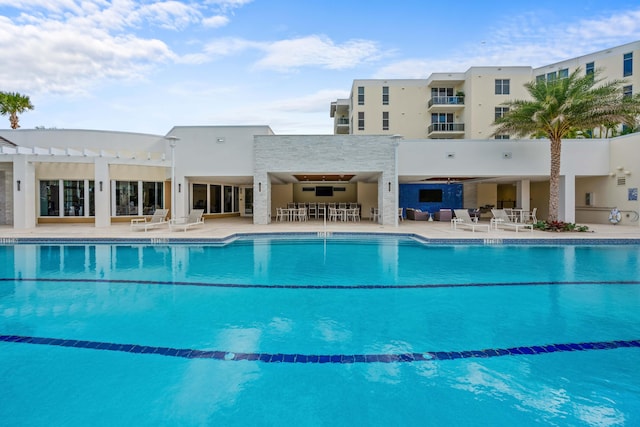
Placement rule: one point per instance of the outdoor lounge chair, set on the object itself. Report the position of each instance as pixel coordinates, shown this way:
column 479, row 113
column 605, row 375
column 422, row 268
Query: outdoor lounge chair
column 158, row 219
column 500, row 217
column 464, row 219
column 194, row 219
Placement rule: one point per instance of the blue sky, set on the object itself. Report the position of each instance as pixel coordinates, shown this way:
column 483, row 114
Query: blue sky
column 146, row 66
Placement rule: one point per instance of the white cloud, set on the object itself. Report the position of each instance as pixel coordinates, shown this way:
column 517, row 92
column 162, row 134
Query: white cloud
column 315, row 50
column 312, row 103
column 58, row 57
column 525, row 41
column 215, row 21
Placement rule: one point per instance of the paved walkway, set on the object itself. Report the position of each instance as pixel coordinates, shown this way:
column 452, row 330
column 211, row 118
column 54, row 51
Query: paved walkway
column 224, row 227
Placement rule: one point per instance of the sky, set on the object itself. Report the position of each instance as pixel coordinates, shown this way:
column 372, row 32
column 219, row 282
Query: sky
column 146, row 66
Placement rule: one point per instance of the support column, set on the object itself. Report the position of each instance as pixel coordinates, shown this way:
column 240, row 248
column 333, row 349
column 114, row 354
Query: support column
column 388, row 198
column 261, row 199
column 102, row 192
column 567, row 202
column 24, row 193
column 523, row 194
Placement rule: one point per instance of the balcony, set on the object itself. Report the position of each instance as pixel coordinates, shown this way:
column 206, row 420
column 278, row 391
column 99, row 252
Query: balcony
column 341, row 125
column 447, row 101
column 445, row 129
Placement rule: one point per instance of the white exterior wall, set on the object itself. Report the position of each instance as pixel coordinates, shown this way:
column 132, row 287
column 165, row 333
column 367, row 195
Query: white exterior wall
column 609, row 61
column 407, row 107
column 215, row 154
column 481, row 99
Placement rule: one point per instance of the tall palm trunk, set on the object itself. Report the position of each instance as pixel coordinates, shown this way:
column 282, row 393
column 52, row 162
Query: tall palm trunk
column 554, row 178
column 13, row 120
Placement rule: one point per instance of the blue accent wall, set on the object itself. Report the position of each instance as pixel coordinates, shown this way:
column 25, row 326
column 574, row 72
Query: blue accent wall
column 451, row 197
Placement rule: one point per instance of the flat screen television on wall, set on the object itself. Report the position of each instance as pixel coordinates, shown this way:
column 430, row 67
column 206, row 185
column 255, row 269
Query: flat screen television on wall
column 430, row 196
column 324, row 191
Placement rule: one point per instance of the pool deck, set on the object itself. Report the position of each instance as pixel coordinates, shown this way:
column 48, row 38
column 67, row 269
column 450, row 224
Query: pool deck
column 227, row 227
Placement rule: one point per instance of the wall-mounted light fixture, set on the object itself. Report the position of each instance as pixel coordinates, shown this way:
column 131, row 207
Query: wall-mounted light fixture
column 100, row 185
column 179, row 188
column 260, row 187
column 18, row 184
column 389, row 186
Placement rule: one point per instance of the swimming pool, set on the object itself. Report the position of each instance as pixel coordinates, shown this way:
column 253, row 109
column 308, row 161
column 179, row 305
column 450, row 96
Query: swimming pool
column 308, row 331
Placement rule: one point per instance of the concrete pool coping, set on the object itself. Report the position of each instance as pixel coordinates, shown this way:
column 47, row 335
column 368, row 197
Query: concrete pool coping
column 220, row 229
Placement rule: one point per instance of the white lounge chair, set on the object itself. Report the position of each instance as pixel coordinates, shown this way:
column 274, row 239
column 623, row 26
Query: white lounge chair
column 464, row 219
column 194, row 219
column 500, row 217
column 158, row 219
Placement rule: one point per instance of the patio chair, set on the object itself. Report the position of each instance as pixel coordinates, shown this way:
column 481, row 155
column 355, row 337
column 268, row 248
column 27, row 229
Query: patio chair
column 463, row 219
column 532, row 216
column 192, row 220
column 500, row 217
column 158, row 219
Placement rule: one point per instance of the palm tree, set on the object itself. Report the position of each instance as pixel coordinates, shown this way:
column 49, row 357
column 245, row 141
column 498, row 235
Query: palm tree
column 559, row 107
column 13, row 103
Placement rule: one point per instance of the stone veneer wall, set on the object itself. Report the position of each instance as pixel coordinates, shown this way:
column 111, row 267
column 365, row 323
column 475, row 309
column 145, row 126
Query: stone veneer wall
column 373, row 155
column 6, row 195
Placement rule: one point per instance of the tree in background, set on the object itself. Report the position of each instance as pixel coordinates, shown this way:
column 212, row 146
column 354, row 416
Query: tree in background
column 560, row 107
column 12, row 103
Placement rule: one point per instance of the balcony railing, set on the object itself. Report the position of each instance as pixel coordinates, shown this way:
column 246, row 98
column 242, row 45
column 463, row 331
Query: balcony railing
column 446, row 100
column 342, row 121
column 445, row 127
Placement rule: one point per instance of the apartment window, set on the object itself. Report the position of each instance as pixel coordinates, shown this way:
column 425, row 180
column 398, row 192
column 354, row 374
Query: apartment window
column 552, row 76
column 385, row 95
column 590, row 68
column 502, row 86
column 627, row 91
column 564, row 73
column 540, row 78
column 360, row 95
column 442, row 122
column 360, row 120
column 441, row 91
column 502, row 136
column 501, row 111
column 385, row 120
column 627, row 64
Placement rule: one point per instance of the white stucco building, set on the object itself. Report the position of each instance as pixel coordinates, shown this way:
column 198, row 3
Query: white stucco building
column 58, row 176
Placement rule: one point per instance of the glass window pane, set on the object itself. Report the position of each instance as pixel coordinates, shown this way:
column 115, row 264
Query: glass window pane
column 92, row 198
column 126, row 198
column 199, row 199
column 73, row 198
column 215, row 193
column 228, row 198
column 152, row 197
column 50, row 198
column 236, row 199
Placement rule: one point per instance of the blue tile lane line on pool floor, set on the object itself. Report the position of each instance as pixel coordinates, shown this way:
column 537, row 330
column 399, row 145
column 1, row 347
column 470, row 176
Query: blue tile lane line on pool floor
column 335, row 358
column 316, row 287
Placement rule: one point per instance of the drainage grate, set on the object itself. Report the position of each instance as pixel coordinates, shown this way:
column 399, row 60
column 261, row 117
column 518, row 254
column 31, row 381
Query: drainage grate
column 492, row 241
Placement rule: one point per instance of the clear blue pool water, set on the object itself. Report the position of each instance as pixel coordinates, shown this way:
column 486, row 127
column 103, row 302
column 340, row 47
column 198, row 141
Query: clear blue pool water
column 315, row 332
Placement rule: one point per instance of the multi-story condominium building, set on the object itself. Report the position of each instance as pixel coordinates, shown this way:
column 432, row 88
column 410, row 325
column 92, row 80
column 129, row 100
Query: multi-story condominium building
column 463, row 105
